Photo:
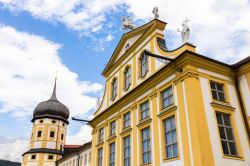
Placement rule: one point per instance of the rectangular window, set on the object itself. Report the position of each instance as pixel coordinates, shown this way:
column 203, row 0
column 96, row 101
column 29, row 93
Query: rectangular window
column 144, row 64
column 226, row 134
column 126, row 142
column 85, row 159
column 167, row 97
column 146, row 152
column 144, row 110
column 89, row 157
column 171, row 148
column 101, row 133
column 112, row 128
column 126, row 118
column 50, row 157
column 52, row 134
column 62, row 136
column 33, row 157
column 127, row 78
column 100, row 155
column 217, row 91
column 112, row 154
column 39, row 133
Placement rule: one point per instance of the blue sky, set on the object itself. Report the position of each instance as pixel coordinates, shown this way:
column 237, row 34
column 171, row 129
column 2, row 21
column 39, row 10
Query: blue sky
column 76, row 38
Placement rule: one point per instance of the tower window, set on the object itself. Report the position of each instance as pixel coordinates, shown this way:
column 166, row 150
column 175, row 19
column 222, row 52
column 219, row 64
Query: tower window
column 62, row 136
column 52, row 134
column 33, row 157
column 63, row 124
column 53, row 121
column 61, row 147
column 39, row 133
column 50, row 157
column 41, row 121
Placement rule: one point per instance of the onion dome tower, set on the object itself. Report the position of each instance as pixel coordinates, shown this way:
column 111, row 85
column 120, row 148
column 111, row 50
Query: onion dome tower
column 50, row 120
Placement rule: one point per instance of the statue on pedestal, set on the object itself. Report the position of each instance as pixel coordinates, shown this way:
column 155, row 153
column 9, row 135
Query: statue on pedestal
column 127, row 23
column 156, row 12
column 185, row 32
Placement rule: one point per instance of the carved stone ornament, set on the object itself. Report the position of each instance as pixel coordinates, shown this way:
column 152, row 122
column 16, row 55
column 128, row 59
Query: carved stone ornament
column 127, row 46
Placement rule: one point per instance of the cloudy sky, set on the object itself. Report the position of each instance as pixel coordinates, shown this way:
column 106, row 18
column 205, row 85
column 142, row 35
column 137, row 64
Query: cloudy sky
column 75, row 38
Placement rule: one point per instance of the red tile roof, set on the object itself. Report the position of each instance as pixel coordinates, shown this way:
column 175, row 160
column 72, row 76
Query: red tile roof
column 72, row 146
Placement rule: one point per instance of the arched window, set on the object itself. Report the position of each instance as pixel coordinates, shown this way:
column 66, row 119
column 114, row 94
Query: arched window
column 127, row 78
column 144, row 64
column 114, row 88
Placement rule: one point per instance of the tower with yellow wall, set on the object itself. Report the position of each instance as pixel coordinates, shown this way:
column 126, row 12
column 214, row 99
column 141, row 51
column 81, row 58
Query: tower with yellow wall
column 50, row 120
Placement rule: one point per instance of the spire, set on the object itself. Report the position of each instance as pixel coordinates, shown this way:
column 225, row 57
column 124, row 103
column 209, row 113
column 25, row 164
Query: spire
column 53, row 96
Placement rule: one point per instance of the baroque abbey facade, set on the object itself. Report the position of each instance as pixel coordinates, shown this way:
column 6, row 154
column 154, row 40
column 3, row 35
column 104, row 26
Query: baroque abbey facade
column 189, row 110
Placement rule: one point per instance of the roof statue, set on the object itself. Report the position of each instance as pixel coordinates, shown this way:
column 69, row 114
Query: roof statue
column 185, row 32
column 127, row 23
column 156, row 12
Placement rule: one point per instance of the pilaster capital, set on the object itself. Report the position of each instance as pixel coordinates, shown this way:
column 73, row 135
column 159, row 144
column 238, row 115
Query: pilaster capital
column 185, row 75
column 153, row 94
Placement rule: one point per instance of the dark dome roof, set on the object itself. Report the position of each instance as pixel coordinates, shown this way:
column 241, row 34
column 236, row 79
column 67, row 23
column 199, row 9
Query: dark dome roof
column 51, row 108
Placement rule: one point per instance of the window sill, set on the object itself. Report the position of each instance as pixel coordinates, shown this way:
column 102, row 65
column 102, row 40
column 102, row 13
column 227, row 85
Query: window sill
column 111, row 138
column 142, row 77
column 114, row 98
column 149, row 164
column 171, row 159
column 126, row 130
column 221, row 104
column 126, row 89
column 100, row 143
column 166, row 110
column 234, row 157
column 144, row 121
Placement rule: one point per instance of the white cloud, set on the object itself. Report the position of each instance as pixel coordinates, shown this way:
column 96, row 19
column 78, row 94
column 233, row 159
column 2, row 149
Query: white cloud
column 83, row 136
column 28, row 64
column 13, row 150
column 109, row 38
column 219, row 29
column 75, row 14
